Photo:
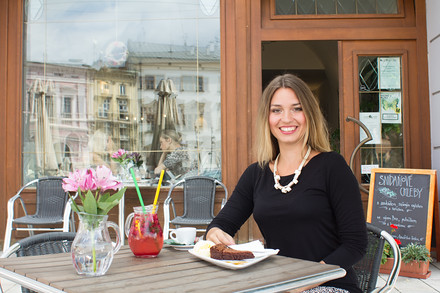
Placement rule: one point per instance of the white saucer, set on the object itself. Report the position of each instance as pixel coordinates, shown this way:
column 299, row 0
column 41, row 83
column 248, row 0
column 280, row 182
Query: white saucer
column 181, row 246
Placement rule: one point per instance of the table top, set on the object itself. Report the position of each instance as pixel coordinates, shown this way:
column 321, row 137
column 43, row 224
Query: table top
column 171, row 271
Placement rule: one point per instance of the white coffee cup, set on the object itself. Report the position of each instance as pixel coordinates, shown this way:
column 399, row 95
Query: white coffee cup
column 185, row 235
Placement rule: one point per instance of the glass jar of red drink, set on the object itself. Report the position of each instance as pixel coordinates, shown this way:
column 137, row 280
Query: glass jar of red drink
column 145, row 235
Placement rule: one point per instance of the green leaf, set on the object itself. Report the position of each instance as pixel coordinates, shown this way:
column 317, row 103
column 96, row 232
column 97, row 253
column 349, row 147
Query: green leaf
column 105, row 207
column 89, row 203
column 106, row 202
column 73, row 204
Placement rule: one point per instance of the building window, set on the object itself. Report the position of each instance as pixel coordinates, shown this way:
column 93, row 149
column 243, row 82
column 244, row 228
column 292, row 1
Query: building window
column 104, row 109
column 336, row 7
column 122, row 89
column 123, row 109
column 192, row 83
column 67, row 107
column 150, row 83
column 105, row 88
column 116, row 96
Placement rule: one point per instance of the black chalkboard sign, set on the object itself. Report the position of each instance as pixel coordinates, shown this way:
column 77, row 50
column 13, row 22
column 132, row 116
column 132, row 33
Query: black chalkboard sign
column 404, row 198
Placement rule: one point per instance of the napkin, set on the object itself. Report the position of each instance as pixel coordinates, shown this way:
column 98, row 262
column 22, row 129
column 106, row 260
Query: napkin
column 254, row 246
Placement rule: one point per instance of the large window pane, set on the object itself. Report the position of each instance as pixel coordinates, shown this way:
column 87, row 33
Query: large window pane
column 104, row 75
column 380, row 109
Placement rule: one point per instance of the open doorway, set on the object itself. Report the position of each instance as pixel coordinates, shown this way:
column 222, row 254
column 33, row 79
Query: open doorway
column 315, row 62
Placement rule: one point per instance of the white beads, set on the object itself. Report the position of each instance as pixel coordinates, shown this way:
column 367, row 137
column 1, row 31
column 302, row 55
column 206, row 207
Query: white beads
column 276, row 177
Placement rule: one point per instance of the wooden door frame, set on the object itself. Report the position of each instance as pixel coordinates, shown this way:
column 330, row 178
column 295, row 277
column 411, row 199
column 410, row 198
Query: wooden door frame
column 415, row 100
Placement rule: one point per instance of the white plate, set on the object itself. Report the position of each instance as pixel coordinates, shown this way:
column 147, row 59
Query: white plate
column 237, row 264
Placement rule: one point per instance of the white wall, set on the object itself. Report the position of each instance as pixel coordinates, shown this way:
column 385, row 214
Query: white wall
column 433, row 31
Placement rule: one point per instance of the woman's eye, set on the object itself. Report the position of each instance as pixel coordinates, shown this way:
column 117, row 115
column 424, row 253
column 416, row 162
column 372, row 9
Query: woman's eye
column 297, row 109
column 275, row 110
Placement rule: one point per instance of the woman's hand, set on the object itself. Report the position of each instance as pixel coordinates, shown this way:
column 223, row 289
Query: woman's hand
column 217, row 236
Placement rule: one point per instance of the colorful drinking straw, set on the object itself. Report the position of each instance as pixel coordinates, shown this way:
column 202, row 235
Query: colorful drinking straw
column 138, row 191
column 157, row 191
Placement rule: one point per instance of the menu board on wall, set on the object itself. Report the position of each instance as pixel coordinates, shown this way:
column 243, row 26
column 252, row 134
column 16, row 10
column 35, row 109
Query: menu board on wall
column 406, row 198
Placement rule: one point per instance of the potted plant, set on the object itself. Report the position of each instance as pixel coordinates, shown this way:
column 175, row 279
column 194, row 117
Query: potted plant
column 414, row 264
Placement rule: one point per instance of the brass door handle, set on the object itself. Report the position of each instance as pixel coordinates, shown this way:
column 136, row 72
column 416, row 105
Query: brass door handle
column 356, row 149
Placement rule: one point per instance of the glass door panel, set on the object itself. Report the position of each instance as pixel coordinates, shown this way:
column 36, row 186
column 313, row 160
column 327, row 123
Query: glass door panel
column 380, row 110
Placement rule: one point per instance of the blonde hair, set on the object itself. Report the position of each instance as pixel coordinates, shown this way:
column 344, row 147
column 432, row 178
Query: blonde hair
column 172, row 134
column 316, row 134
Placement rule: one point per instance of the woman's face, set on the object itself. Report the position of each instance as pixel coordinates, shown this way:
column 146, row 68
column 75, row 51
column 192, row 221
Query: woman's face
column 287, row 121
column 164, row 143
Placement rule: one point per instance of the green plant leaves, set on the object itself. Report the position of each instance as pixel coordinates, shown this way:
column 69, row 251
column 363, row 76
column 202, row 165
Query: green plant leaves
column 100, row 204
column 89, row 203
column 416, row 252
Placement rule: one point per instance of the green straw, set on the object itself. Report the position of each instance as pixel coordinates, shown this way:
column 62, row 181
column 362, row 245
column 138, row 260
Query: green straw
column 137, row 189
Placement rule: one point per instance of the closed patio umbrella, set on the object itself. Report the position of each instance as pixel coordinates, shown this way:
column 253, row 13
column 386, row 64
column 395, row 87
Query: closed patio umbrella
column 166, row 116
column 45, row 155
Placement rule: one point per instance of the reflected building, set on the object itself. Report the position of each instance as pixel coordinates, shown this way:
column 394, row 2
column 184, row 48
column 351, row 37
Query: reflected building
column 95, row 110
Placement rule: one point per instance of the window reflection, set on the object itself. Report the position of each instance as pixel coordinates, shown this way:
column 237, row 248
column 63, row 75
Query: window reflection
column 93, row 76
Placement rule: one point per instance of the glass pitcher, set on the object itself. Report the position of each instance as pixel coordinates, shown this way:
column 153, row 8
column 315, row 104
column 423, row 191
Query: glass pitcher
column 92, row 249
column 144, row 233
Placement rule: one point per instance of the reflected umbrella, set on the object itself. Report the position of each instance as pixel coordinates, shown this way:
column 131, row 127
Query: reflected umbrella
column 166, row 116
column 45, row 155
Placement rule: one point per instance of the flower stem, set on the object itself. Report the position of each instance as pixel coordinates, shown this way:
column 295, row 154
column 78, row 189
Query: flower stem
column 93, row 251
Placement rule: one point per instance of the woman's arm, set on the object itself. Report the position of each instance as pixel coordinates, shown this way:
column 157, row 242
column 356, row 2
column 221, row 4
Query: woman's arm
column 160, row 165
column 345, row 198
column 237, row 210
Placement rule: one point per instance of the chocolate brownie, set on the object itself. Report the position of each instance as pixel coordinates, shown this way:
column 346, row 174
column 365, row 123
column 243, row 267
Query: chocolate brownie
column 223, row 252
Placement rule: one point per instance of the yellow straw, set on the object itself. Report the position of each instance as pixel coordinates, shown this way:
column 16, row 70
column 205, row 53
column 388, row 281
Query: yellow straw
column 157, row 191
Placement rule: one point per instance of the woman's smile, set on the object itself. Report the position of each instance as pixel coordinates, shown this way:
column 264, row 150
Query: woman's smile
column 286, row 119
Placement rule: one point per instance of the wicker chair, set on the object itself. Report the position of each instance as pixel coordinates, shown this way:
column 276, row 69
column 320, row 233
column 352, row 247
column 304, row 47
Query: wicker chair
column 52, row 208
column 367, row 269
column 40, row 244
column 198, row 203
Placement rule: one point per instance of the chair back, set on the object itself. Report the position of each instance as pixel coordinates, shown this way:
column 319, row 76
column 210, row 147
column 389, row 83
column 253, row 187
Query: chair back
column 41, row 244
column 51, row 198
column 198, row 197
column 367, row 269
column 45, row 243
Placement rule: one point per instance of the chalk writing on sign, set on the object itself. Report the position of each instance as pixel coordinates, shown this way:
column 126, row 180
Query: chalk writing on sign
column 400, row 198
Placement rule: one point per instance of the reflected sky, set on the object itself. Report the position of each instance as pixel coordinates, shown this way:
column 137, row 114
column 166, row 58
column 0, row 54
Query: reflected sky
column 80, row 31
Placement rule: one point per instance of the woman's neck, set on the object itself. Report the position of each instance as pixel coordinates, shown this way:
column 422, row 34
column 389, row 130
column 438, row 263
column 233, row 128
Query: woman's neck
column 290, row 158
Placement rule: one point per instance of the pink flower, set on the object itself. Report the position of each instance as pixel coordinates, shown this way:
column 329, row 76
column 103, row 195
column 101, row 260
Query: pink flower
column 119, row 154
column 89, row 181
column 105, row 180
column 85, row 181
column 73, row 182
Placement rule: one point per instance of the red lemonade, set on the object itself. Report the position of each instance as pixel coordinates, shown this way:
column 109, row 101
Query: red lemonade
column 146, row 236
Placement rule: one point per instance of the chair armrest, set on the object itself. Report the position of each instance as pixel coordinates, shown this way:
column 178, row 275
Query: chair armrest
column 11, row 203
column 17, row 196
column 225, row 199
column 392, row 277
column 11, row 250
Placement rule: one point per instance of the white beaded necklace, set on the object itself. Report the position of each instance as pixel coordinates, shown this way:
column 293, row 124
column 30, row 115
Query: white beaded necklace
column 276, row 177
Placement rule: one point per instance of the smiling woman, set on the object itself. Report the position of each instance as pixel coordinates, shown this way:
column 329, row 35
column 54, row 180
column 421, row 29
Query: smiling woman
column 296, row 178
column 92, row 80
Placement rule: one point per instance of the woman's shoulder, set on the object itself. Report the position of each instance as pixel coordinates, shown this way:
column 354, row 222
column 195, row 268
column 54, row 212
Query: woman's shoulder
column 254, row 171
column 255, row 168
column 331, row 159
column 331, row 155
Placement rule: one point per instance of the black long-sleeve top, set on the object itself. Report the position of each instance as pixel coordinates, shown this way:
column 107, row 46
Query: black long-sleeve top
column 320, row 219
